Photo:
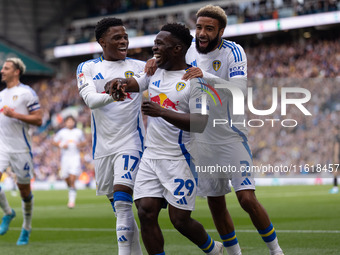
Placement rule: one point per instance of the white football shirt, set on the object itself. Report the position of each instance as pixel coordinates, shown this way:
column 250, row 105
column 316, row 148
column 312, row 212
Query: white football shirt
column 116, row 126
column 69, row 137
column 163, row 139
column 228, row 62
column 14, row 137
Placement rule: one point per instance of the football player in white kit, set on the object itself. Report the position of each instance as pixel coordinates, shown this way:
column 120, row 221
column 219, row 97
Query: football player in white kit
column 165, row 172
column 227, row 60
column 19, row 108
column 70, row 139
column 117, row 128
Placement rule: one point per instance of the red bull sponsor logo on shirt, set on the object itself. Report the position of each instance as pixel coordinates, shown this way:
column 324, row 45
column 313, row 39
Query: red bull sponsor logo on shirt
column 163, row 100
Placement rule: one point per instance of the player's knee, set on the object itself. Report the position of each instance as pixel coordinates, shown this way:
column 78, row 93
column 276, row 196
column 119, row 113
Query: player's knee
column 122, row 200
column 179, row 224
column 180, row 221
column 25, row 190
column 216, row 203
column 146, row 214
column 110, row 196
column 122, row 196
column 247, row 200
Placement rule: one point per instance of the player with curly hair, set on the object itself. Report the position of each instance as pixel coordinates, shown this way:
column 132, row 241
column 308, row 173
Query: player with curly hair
column 117, row 128
column 166, row 173
column 227, row 60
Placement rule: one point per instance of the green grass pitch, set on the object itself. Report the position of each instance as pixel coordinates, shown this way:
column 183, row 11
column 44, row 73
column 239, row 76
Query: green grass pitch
column 306, row 218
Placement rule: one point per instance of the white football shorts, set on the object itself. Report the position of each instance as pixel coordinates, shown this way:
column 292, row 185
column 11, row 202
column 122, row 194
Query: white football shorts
column 217, row 165
column 70, row 165
column 169, row 179
column 21, row 164
column 120, row 168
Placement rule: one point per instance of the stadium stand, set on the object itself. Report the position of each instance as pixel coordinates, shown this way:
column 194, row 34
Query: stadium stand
column 308, row 58
column 155, row 13
column 313, row 65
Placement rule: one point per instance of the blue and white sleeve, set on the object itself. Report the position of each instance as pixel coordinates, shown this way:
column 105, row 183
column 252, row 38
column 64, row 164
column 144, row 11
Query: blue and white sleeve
column 88, row 91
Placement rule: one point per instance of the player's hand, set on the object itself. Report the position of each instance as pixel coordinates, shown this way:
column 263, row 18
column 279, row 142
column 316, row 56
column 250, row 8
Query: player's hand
column 115, row 88
column 63, row 145
column 192, row 72
column 150, row 67
column 152, row 109
column 9, row 112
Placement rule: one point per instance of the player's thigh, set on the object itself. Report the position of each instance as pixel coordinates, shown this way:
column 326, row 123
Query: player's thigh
column 116, row 169
column 213, row 168
column 70, row 166
column 180, row 185
column 213, row 187
column 22, row 166
column 104, row 174
column 4, row 161
column 147, row 184
column 242, row 178
column 126, row 165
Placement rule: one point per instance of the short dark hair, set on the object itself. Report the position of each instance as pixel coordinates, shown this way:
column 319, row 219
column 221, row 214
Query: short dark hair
column 70, row 117
column 214, row 12
column 104, row 24
column 179, row 31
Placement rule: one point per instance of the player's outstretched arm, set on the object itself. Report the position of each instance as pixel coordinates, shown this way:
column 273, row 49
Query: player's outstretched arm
column 191, row 122
column 118, row 87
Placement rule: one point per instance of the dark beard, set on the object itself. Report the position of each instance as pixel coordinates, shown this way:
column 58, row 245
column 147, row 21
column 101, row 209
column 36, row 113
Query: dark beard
column 212, row 44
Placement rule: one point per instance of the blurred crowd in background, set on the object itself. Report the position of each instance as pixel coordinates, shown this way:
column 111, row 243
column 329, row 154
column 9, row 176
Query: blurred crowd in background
column 238, row 12
column 106, row 7
column 314, row 65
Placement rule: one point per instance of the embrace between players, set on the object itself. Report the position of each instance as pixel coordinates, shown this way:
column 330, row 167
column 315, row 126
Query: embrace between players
column 160, row 172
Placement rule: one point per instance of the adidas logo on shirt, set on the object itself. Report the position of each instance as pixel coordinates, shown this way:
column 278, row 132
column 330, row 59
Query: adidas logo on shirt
column 99, row 76
column 157, row 83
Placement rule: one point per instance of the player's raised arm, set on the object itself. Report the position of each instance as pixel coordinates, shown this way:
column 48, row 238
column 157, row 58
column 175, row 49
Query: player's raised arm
column 118, row 87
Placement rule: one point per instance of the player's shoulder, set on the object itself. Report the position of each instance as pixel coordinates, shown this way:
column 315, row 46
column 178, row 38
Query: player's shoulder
column 227, row 44
column 26, row 89
column 63, row 130
column 199, row 83
column 136, row 62
column 89, row 63
column 233, row 49
column 159, row 73
column 60, row 132
column 3, row 91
